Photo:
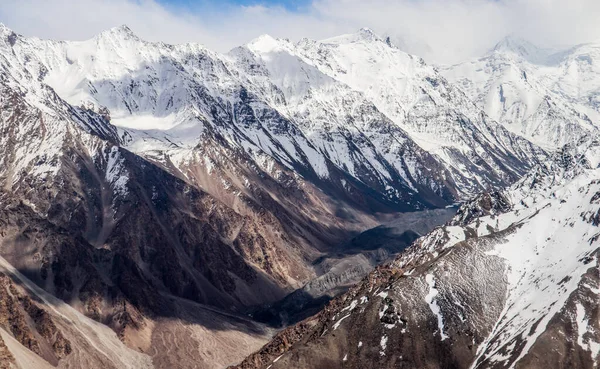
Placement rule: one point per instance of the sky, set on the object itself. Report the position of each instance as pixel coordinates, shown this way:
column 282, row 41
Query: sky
column 288, row 4
column 441, row 31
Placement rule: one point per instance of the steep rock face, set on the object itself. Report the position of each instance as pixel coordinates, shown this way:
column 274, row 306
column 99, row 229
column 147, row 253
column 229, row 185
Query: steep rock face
column 31, row 325
column 532, row 92
column 344, row 124
column 93, row 189
column 6, row 358
column 45, row 332
column 514, row 287
column 110, row 287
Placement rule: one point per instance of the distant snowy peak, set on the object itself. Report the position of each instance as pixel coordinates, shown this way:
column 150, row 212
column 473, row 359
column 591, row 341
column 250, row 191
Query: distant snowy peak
column 266, row 43
column 364, row 34
column 577, row 75
column 522, row 48
column 549, row 98
column 120, row 32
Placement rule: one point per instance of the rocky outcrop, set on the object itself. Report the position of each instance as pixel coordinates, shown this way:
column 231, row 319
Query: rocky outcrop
column 486, row 204
column 46, row 327
column 30, row 324
column 14, row 319
column 6, row 358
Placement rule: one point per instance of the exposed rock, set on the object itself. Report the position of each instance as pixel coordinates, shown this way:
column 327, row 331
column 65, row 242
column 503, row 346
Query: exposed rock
column 30, row 324
column 6, row 358
column 12, row 317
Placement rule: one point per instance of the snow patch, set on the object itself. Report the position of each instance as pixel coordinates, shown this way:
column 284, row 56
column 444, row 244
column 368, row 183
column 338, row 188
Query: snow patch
column 433, row 305
column 583, row 327
column 337, row 324
column 383, row 344
column 116, row 174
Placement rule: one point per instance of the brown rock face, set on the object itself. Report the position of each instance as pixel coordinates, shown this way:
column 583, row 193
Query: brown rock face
column 46, row 327
column 6, row 358
column 30, row 324
column 13, row 318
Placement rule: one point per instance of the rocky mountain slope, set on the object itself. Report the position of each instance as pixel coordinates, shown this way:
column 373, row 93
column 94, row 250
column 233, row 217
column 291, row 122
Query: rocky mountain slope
column 122, row 238
column 511, row 282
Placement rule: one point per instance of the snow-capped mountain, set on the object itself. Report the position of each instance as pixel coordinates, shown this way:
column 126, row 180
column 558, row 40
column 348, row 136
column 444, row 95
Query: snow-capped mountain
column 513, row 281
column 276, row 100
column 546, row 96
column 413, row 96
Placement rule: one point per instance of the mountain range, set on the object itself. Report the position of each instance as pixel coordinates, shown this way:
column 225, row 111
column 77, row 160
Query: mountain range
column 170, row 206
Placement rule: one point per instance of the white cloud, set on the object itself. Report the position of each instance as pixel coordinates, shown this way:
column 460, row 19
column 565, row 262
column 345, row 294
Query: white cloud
column 439, row 30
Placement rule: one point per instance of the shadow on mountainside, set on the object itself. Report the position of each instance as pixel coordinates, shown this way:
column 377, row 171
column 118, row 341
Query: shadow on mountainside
column 349, row 263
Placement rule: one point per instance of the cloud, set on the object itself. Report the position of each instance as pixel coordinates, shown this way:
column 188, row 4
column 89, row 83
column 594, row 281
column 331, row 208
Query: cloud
column 439, row 30
column 452, row 30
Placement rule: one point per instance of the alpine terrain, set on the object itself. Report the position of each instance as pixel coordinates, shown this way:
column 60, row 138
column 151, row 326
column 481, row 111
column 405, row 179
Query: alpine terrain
column 167, row 206
column 512, row 281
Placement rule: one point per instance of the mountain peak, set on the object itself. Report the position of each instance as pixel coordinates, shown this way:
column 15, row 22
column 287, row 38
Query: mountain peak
column 121, row 32
column 265, row 43
column 4, row 29
column 367, row 32
column 521, row 47
column 364, row 34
